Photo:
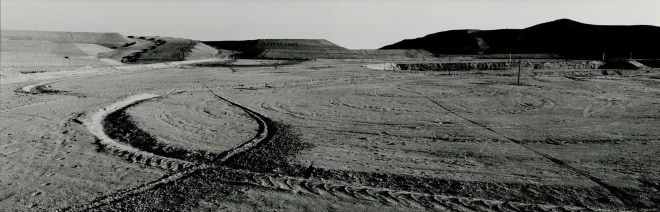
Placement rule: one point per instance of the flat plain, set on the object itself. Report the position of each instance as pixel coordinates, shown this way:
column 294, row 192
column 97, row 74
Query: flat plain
column 256, row 135
column 553, row 140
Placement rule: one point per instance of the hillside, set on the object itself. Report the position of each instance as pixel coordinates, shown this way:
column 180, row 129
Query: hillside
column 32, row 55
column 262, row 44
column 111, row 40
column 260, row 48
column 344, row 54
column 308, row 49
column 166, row 49
column 564, row 37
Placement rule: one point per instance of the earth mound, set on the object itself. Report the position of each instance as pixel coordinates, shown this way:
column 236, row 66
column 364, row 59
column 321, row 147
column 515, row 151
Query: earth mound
column 564, row 37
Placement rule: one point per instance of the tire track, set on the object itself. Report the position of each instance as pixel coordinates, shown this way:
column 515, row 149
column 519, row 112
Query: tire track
column 339, row 190
column 59, row 76
column 311, row 187
column 184, row 168
column 623, row 196
column 36, row 103
column 33, row 88
column 579, row 79
column 95, row 125
column 591, row 109
column 263, row 132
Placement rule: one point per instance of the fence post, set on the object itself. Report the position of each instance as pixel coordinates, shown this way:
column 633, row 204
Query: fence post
column 519, row 67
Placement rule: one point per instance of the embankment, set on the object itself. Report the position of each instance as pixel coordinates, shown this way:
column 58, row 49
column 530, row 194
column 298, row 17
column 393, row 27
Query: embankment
column 487, row 65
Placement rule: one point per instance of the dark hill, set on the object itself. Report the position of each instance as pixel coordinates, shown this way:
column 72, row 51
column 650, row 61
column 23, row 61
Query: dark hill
column 563, row 37
column 254, row 48
column 306, row 49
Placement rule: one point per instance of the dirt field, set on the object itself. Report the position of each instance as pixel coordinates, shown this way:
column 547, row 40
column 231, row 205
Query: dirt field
column 331, row 135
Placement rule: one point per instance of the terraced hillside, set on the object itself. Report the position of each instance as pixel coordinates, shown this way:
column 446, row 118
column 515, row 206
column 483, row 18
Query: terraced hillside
column 171, row 49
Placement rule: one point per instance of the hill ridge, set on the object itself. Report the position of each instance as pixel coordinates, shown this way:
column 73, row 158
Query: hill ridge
column 306, row 49
column 565, row 37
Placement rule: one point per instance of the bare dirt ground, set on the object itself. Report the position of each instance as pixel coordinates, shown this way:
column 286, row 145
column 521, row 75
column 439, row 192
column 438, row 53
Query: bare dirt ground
column 332, row 135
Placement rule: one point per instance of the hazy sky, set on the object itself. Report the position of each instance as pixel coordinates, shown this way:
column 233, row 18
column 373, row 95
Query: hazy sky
column 353, row 24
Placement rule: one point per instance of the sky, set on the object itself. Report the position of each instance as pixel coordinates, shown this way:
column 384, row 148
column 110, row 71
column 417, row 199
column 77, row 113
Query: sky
column 354, row 24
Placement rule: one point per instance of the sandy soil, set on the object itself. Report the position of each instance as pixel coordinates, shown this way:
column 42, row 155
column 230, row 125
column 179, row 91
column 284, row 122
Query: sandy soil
column 196, row 121
column 352, row 139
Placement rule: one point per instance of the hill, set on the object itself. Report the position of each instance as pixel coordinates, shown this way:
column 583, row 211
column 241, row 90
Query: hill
column 166, row 49
column 307, row 49
column 397, row 54
column 564, row 37
column 34, row 51
column 260, row 48
column 110, row 40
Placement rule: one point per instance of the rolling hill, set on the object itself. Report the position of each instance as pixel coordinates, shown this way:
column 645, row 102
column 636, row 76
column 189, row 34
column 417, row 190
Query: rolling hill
column 564, row 37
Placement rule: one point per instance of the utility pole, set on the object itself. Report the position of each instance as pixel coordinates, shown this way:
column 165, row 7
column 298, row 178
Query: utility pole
column 519, row 67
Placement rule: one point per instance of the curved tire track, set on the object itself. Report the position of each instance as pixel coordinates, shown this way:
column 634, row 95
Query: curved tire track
column 36, row 88
column 263, row 132
column 286, row 183
column 95, row 125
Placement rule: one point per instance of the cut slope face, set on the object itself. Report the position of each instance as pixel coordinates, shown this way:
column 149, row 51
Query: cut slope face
column 42, row 47
column 92, row 49
column 43, row 51
column 40, row 56
column 103, row 39
column 564, row 37
column 201, row 51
